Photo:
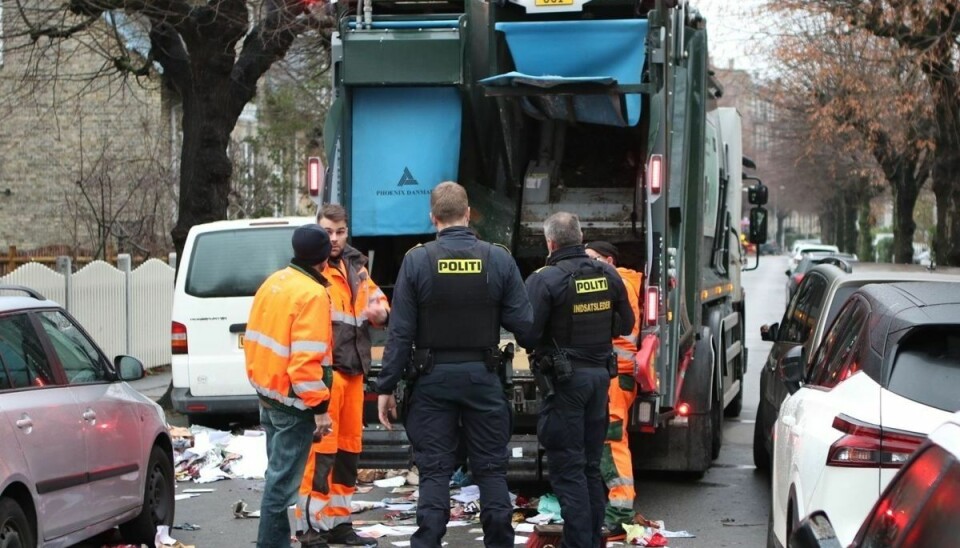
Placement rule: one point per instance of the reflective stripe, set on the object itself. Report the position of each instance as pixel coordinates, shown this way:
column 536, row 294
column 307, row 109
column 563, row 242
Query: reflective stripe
column 277, row 396
column 378, row 294
column 621, row 503
column 308, row 346
column 265, row 340
column 327, row 360
column 311, row 514
column 619, row 482
column 625, row 354
column 313, row 386
column 347, row 319
column 632, row 339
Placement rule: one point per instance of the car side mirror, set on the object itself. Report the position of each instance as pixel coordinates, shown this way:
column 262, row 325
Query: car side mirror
column 815, row 531
column 791, row 368
column 758, row 225
column 769, row 332
column 128, row 368
column 787, row 272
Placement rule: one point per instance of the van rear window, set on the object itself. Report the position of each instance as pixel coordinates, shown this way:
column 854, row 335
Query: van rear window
column 233, row 263
column 927, row 368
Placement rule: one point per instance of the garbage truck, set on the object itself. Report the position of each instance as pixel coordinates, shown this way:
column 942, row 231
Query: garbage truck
column 603, row 108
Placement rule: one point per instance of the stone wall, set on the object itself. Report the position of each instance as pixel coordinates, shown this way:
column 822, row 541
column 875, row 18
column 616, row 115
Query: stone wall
column 67, row 117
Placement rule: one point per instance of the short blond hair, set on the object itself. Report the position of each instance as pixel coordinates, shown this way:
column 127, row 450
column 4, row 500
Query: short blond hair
column 448, row 202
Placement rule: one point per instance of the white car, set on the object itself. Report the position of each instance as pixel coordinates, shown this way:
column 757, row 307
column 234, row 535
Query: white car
column 222, row 267
column 800, row 250
column 886, row 373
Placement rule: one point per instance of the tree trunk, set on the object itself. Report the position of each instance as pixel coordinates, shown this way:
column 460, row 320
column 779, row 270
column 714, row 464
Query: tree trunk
column 865, row 240
column 827, row 224
column 905, row 195
column 850, row 222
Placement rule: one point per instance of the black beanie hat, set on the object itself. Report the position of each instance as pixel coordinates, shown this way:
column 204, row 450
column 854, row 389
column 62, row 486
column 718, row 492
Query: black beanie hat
column 606, row 249
column 311, row 244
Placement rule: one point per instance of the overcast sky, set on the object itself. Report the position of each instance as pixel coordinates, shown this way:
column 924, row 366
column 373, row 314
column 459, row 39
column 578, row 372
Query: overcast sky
column 735, row 33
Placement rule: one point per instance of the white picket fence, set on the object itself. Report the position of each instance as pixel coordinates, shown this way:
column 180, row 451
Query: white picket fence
column 126, row 311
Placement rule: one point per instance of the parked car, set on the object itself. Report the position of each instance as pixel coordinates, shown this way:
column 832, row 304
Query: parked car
column 886, row 373
column 222, row 267
column 82, row 452
column 803, row 249
column 769, row 248
column 844, row 261
column 811, row 310
column 920, row 506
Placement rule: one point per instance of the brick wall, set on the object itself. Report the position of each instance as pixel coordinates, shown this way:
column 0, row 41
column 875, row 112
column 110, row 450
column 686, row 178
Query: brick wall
column 58, row 125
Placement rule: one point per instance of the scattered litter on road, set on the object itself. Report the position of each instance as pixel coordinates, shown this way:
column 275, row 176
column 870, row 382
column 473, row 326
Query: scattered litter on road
column 676, row 534
column 187, row 527
column 241, row 511
column 193, row 491
column 469, row 493
column 357, row 506
column 205, row 455
column 184, row 497
column 395, row 481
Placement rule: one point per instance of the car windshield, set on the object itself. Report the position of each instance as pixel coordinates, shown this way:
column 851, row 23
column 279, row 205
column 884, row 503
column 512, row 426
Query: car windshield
column 233, row 263
column 927, row 367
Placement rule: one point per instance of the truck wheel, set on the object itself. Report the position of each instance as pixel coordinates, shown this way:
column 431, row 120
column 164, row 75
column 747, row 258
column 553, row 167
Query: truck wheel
column 716, row 423
column 15, row 530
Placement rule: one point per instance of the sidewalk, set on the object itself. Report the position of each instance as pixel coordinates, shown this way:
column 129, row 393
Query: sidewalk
column 154, row 384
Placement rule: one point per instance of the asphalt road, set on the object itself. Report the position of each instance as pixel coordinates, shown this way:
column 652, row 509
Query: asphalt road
column 728, row 507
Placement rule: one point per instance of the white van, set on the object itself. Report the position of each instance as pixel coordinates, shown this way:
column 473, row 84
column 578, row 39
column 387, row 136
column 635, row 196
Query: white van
column 222, row 267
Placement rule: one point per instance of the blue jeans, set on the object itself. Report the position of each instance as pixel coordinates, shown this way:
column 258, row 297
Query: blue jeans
column 288, row 445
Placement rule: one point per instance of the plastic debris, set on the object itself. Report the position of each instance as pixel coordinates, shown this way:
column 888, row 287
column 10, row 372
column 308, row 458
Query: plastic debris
column 395, row 481
column 549, row 505
column 187, row 526
column 241, row 511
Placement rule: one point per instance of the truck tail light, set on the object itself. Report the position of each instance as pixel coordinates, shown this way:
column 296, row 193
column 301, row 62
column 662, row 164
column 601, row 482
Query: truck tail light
column 655, row 174
column 651, row 306
column 314, row 176
column 178, row 338
column 866, row 445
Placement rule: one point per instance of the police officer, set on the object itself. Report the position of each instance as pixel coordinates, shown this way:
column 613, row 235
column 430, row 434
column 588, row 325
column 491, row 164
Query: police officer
column 579, row 306
column 451, row 297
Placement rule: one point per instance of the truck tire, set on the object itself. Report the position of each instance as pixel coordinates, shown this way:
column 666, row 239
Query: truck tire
column 716, row 423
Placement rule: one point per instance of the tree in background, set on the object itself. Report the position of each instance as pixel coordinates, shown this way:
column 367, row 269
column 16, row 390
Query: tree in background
column 926, row 34
column 212, row 54
column 856, row 92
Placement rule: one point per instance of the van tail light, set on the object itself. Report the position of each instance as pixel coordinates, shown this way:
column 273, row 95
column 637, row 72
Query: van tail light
column 178, row 338
column 866, row 445
column 651, row 306
column 315, row 176
column 797, row 278
column 655, row 174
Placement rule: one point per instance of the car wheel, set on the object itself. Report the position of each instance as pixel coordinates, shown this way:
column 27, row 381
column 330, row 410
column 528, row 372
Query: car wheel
column 158, row 501
column 15, row 530
column 761, row 457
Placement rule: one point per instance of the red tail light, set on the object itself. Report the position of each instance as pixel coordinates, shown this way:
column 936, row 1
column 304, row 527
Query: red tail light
column 655, row 173
column 683, row 409
column 798, row 278
column 651, row 307
column 178, row 338
column 867, row 445
column 314, row 176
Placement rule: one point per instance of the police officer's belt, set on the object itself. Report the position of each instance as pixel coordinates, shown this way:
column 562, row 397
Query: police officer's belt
column 459, row 356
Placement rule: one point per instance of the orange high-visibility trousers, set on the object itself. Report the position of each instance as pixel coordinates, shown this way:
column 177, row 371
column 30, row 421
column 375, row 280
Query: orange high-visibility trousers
column 616, row 464
column 330, row 477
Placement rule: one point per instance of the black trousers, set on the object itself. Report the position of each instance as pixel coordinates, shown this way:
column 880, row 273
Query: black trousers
column 571, row 428
column 452, row 395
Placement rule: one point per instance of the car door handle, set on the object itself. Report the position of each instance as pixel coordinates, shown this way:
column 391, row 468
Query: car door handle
column 89, row 415
column 24, row 422
column 789, row 421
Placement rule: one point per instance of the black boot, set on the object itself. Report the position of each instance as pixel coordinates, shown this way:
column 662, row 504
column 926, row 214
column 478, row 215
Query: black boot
column 313, row 539
column 344, row 534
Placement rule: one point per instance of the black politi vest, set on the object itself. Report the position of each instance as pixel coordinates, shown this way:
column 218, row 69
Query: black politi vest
column 460, row 313
column 584, row 316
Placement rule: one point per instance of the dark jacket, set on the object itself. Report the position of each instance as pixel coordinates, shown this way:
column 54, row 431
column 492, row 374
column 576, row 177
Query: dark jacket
column 414, row 285
column 547, row 287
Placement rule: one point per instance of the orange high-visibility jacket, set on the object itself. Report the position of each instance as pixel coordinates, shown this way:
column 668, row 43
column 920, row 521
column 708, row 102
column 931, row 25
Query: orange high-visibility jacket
column 626, row 346
column 351, row 290
column 289, row 342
